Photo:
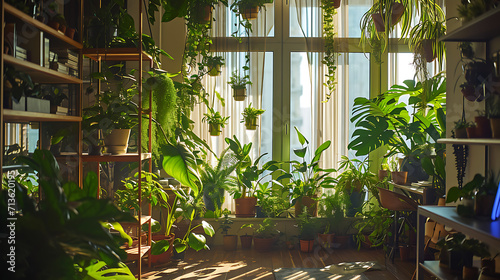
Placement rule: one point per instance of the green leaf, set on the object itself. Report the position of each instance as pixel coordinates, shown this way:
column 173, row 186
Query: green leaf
column 196, row 241
column 453, row 195
column 160, row 247
column 90, row 184
column 301, row 137
column 320, row 150
column 180, row 163
column 209, row 230
column 300, row 152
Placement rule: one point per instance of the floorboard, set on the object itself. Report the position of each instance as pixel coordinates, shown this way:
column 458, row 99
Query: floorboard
column 252, row 265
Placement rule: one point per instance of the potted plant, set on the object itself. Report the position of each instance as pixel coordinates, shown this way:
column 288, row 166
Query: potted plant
column 353, row 180
column 246, row 239
column 307, row 179
column 265, row 235
column 398, row 177
column 248, row 177
column 250, row 115
column 460, row 130
column 239, row 85
column 374, row 227
column 56, row 97
column 215, row 121
column 248, row 9
column 308, row 229
column 461, row 250
column 465, row 195
column 424, row 37
column 483, row 127
column 213, row 64
column 273, row 200
column 331, row 208
column 230, row 240
column 21, row 94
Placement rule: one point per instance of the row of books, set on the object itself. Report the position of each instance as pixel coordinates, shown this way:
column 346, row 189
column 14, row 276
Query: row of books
column 21, row 53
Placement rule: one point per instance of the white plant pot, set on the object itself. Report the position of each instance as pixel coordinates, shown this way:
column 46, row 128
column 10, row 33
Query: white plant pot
column 37, row 105
column 21, row 106
column 116, row 142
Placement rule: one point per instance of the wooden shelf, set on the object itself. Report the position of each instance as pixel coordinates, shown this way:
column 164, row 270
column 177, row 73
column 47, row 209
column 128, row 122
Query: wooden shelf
column 486, row 231
column 115, row 54
column 480, row 29
column 439, row 272
column 144, row 219
column 40, row 74
column 116, row 158
column 24, row 116
column 133, row 252
column 41, row 26
column 474, row 141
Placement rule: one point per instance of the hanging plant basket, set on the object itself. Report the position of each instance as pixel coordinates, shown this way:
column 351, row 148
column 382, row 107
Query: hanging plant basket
column 239, row 94
column 214, row 129
column 215, row 71
column 251, row 123
column 249, row 12
column 398, row 10
column 203, row 14
column 379, row 22
column 427, row 47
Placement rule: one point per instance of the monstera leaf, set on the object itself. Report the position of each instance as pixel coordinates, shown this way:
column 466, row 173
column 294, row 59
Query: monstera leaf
column 370, row 134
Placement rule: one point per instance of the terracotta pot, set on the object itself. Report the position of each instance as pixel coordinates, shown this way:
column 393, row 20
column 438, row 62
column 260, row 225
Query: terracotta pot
column 461, row 132
column 230, row 242
column 326, row 239
column 263, row 244
column 70, row 32
column 246, row 241
column 306, row 246
column 470, row 273
column 116, row 142
column 382, row 174
column 427, row 46
column 214, row 129
column 399, row 177
column 483, row 127
column 342, row 241
column 166, row 256
column 54, row 24
column 379, row 22
column 484, row 205
column 245, row 207
column 249, row 12
column 310, row 203
column 495, row 127
column 239, row 94
column 336, row 3
column 251, row 123
column 488, row 266
column 472, row 132
column 398, row 10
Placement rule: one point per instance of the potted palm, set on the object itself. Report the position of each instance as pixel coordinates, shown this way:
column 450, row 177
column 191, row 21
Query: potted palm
column 213, row 64
column 307, row 179
column 250, row 115
column 215, row 121
column 230, row 240
column 239, row 85
column 265, row 235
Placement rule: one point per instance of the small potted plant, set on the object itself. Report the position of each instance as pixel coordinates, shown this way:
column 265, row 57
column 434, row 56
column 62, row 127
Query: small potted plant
column 460, row 130
column 56, row 97
column 308, row 229
column 465, row 207
column 215, row 121
column 214, row 65
column 265, row 235
column 331, row 208
column 230, row 240
column 248, row 9
column 250, row 115
column 246, row 239
column 398, row 177
column 239, row 85
column 471, row 130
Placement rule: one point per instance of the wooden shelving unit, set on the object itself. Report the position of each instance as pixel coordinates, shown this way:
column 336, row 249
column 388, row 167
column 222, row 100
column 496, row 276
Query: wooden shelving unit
column 116, row 158
column 474, row 141
column 116, row 54
column 40, row 74
column 41, row 26
column 23, row 116
column 480, row 29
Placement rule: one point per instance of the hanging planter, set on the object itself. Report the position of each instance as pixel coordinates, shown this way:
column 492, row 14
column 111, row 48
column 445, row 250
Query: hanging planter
column 251, row 123
column 203, row 14
column 239, row 85
column 215, row 71
column 214, row 129
column 378, row 21
column 213, row 64
column 249, row 12
column 239, row 94
column 427, row 47
column 250, row 115
column 398, row 10
column 215, row 121
column 336, row 3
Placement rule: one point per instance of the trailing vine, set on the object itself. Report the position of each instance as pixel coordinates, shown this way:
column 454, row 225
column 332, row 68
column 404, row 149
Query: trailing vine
column 330, row 57
column 461, row 153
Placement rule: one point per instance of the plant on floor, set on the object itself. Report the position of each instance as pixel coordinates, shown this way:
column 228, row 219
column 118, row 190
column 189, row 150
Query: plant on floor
column 70, row 222
column 273, row 199
column 266, row 229
column 375, row 226
column 332, row 208
column 307, row 179
column 308, row 226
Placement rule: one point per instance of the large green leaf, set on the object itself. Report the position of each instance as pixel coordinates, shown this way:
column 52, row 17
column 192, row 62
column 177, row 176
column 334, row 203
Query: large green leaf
column 209, row 230
column 301, row 137
column 370, row 134
column 196, row 241
column 160, row 247
column 180, row 163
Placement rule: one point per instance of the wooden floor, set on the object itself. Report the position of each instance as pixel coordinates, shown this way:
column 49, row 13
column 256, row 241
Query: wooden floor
column 250, row 264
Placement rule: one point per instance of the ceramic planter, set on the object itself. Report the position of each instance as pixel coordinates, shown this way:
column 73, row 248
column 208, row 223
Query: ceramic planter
column 249, row 13
column 17, row 106
column 398, row 10
column 166, row 256
column 230, row 242
column 399, row 177
column 472, row 132
column 245, row 207
column 427, row 47
column 215, row 70
column 459, row 259
column 495, row 127
column 251, row 123
column 306, row 246
column 461, row 132
column 246, row 241
column 484, row 205
column 239, row 94
column 116, row 143
column 378, row 21
column 483, row 127
column 70, row 32
column 326, row 239
column 310, row 203
column 214, row 129
column 263, row 244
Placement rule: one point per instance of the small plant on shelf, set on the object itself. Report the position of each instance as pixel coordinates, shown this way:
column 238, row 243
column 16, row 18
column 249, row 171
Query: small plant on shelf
column 250, row 115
